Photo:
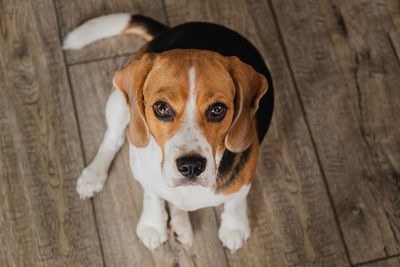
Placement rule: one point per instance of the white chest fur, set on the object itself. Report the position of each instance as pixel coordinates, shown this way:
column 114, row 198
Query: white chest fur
column 146, row 168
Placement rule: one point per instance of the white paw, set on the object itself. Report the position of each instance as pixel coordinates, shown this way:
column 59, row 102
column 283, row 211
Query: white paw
column 233, row 238
column 150, row 236
column 90, row 182
column 181, row 230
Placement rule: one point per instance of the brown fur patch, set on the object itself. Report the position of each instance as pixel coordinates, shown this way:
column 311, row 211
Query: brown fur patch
column 182, row 148
column 136, row 29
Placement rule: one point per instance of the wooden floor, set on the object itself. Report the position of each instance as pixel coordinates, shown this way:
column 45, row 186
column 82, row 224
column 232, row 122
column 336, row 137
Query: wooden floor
column 327, row 191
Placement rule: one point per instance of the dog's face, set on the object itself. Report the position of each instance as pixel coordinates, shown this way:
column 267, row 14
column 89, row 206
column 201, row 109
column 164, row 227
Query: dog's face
column 189, row 108
column 195, row 104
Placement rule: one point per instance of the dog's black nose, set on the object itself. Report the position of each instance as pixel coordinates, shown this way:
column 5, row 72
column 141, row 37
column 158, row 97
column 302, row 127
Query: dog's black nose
column 191, row 166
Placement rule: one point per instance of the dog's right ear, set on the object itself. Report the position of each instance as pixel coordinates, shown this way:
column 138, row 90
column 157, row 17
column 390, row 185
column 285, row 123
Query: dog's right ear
column 130, row 80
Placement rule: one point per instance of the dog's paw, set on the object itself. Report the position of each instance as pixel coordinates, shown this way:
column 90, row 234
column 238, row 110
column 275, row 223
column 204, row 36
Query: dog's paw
column 90, row 182
column 150, row 236
column 181, row 230
column 233, row 238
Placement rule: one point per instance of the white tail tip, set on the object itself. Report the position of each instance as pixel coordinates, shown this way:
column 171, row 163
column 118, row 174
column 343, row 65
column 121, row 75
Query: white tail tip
column 96, row 29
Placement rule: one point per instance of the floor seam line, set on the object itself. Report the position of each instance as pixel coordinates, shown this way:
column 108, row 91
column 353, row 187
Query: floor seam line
column 376, row 260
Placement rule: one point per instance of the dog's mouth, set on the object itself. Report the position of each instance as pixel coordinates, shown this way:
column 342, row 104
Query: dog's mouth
column 180, row 181
column 189, row 182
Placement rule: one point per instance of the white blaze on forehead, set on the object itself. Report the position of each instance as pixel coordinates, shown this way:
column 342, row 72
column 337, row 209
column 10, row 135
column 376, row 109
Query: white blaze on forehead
column 191, row 106
column 191, row 79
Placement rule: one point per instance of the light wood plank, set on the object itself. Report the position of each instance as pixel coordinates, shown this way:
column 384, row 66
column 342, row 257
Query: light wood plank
column 289, row 210
column 75, row 12
column 118, row 206
column 348, row 78
column 42, row 221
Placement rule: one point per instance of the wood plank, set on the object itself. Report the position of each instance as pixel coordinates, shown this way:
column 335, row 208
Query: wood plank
column 42, row 221
column 393, row 8
column 348, row 78
column 75, row 12
column 289, row 210
column 393, row 262
column 118, row 206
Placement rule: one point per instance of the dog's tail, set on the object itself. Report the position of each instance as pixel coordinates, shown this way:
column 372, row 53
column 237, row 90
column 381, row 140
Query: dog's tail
column 112, row 25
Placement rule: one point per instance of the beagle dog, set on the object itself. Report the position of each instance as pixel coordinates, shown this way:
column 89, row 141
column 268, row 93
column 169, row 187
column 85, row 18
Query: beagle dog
column 195, row 102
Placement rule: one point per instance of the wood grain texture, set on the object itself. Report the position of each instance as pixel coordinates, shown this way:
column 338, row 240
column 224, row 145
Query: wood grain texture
column 289, row 210
column 392, row 262
column 42, row 222
column 118, row 206
column 348, row 78
column 75, row 12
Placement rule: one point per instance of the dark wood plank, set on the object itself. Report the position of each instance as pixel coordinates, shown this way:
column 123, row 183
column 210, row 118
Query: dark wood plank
column 75, row 12
column 42, row 221
column 393, row 262
column 348, row 77
column 118, row 206
column 289, row 210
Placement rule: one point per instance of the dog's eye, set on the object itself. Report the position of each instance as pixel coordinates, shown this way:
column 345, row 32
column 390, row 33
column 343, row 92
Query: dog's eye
column 216, row 112
column 163, row 111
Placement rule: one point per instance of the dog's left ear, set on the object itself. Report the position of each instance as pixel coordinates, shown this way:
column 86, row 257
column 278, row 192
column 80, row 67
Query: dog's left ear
column 250, row 87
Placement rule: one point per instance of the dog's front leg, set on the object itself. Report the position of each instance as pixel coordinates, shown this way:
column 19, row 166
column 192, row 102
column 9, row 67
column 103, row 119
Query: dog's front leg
column 152, row 226
column 234, row 229
column 94, row 175
column 180, row 225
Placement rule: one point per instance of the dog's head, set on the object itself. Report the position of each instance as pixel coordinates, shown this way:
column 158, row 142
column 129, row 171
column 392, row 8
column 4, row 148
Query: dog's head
column 195, row 104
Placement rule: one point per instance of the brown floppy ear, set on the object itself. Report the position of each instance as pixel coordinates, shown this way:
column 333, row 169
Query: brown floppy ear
column 130, row 80
column 250, row 87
